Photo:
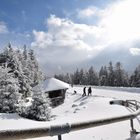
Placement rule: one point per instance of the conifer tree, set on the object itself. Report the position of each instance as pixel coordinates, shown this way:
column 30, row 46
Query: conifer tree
column 103, row 76
column 76, row 77
column 135, row 77
column 92, row 77
column 121, row 78
column 110, row 74
column 40, row 108
column 9, row 92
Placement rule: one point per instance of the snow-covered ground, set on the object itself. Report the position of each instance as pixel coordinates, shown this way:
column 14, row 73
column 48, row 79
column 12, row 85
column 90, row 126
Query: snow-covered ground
column 78, row 108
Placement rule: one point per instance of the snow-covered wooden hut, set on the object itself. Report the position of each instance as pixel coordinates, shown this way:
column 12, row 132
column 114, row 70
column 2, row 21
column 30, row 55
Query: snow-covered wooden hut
column 56, row 90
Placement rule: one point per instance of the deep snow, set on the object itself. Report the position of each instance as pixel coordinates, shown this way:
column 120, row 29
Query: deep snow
column 78, row 108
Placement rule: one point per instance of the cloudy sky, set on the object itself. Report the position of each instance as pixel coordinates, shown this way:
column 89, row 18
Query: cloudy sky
column 67, row 34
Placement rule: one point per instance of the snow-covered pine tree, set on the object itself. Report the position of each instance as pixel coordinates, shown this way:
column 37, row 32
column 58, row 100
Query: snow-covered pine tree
column 19, row 72
column 31, row 70
column 76, row 77
column 135, row 77
column 9, row 91
column 14, row 63
column 110, row 74
column 103, row 75
column 121, row 77
column 25, row 53
column 40, row 108
column 83, row 75
column 92, row 77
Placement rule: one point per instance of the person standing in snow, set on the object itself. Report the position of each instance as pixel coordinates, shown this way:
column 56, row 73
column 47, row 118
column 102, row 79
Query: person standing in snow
column 84, row 91
column 89, row 91
column 75, row 91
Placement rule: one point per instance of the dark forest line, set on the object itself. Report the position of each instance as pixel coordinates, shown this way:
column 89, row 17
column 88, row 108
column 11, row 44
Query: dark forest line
column 108, row 75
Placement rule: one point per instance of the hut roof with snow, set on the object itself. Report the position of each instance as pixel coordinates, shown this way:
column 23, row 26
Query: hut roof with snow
column 52, row 84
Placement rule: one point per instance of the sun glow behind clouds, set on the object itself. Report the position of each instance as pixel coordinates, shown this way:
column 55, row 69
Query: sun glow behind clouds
column 118, row 22
column 121, row 21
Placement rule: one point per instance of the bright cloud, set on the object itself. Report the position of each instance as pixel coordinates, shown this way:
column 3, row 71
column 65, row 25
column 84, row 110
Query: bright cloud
column 119, row 22
column 135, row 51
column 67, row 42
column 3, row 28
column 87, row 12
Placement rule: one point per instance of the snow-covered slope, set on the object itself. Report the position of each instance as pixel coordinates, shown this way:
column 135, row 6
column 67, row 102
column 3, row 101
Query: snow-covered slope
column 78, row 108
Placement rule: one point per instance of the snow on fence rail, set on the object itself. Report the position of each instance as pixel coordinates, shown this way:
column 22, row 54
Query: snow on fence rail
column 58, row 130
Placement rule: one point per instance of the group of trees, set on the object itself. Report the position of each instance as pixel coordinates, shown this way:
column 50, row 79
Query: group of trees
column 110, row 75
column 19, row 75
